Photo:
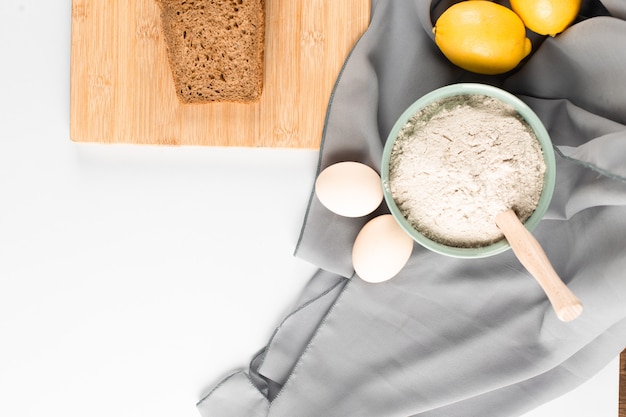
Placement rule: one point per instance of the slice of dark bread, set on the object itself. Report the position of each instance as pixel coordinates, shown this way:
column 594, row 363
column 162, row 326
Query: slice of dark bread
column 215, row 48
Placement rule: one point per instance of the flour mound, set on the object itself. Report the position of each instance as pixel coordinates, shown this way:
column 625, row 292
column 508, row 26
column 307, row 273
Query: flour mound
column 459, row 162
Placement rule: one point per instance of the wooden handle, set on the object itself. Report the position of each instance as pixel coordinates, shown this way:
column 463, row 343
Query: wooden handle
column 530, row 253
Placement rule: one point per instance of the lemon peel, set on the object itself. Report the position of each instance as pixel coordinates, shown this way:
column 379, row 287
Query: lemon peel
column 482, row 37
column 547, row 17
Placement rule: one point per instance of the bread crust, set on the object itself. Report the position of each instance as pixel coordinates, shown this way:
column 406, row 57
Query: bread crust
column 215, row 48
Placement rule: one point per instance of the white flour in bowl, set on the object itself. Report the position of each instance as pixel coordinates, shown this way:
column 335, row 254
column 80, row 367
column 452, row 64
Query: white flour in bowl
column 459, row 162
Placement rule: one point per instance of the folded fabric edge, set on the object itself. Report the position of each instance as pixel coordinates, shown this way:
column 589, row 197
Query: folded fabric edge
column 234, row 396
column 278, row 368
column 564, row 151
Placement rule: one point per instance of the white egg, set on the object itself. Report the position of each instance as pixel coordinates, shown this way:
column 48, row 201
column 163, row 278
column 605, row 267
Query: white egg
column 381, row 249
column 350, row 189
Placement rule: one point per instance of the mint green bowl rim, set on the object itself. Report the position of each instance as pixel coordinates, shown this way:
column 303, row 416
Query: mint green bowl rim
column 525, row 112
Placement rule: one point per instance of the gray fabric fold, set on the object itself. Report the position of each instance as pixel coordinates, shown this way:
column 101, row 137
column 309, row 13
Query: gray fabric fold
column 454, row 337
column 235, row 396
column 292, row 336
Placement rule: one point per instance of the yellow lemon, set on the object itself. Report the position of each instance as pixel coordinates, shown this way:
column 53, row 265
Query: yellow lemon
column 482, row 37
column 546, row 17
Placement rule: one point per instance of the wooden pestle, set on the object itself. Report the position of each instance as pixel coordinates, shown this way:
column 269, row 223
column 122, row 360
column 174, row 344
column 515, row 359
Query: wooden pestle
column 530, row 253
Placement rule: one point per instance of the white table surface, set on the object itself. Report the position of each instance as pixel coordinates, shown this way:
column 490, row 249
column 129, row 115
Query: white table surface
column 122, row 286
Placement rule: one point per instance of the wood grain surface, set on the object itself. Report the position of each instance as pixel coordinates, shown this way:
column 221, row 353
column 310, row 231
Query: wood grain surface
column 121, row 89
column 622, row 384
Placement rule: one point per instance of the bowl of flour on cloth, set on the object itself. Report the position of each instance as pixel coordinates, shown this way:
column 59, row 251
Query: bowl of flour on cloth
column 458, row 157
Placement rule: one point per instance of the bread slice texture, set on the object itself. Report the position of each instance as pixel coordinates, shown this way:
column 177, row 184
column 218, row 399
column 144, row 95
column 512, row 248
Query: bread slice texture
column 215, row 48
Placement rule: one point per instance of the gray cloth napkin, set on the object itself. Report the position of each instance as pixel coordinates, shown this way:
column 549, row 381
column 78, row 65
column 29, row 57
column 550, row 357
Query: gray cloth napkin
column 456, row 337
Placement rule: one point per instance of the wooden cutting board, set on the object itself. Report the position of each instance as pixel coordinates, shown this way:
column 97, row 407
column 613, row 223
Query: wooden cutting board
column 121, row 89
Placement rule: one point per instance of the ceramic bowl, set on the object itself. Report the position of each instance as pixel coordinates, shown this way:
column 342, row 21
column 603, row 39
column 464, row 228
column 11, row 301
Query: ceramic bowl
column 525, row 112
